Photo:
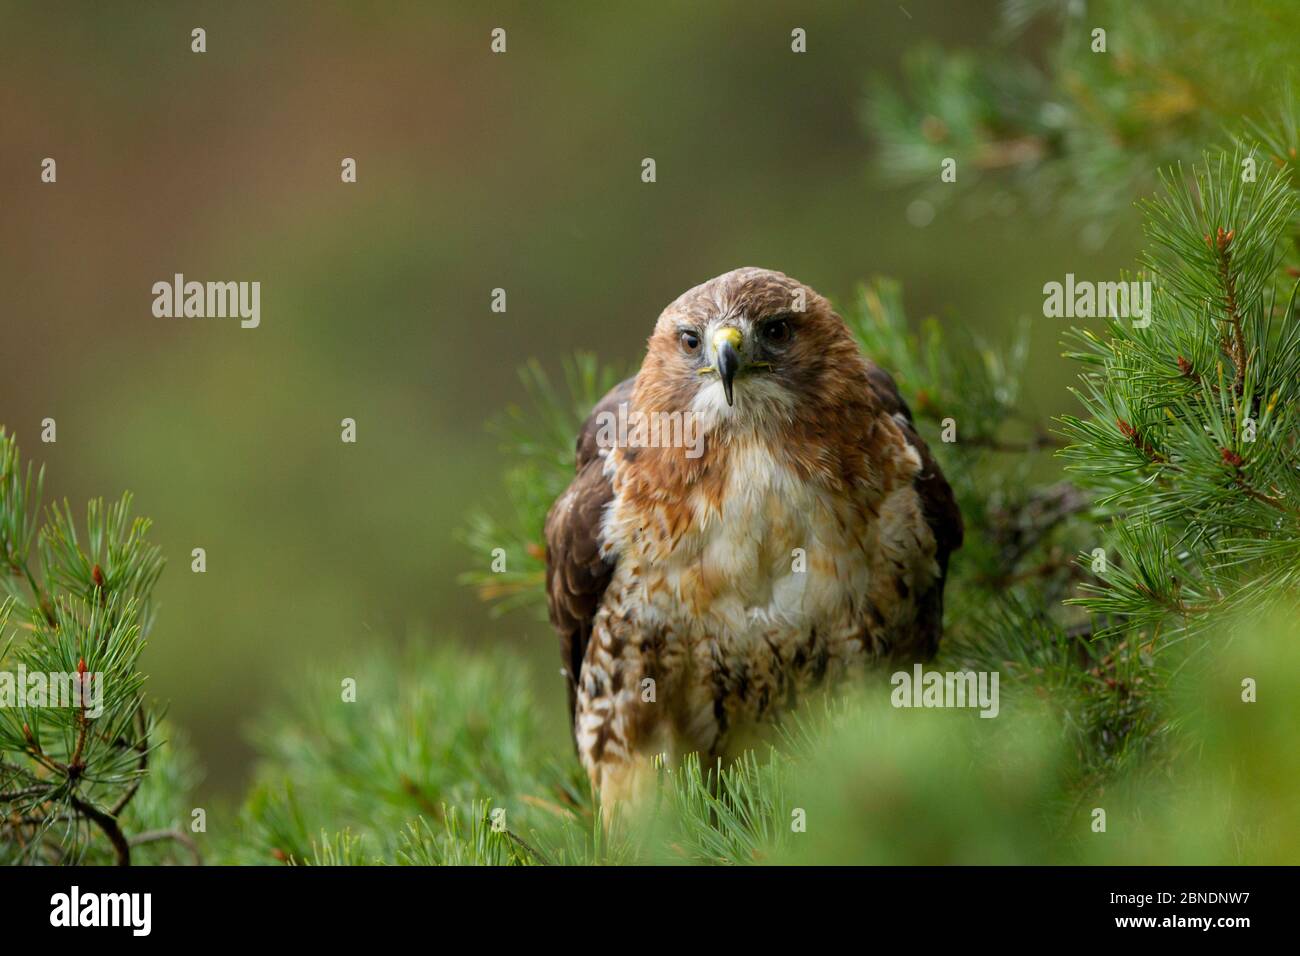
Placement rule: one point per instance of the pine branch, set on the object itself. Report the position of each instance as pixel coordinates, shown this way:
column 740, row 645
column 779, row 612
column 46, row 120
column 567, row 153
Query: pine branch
column 80, row 757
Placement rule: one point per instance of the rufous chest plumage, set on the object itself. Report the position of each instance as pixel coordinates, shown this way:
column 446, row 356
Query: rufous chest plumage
column 755, row 586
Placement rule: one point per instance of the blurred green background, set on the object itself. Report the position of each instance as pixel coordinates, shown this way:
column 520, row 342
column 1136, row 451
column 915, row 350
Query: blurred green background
column 476, row 171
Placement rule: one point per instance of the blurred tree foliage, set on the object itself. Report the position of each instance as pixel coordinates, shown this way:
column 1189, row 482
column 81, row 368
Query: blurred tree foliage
column 1078, row 131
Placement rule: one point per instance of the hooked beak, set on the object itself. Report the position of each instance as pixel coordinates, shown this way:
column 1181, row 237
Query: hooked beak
column 725, row 343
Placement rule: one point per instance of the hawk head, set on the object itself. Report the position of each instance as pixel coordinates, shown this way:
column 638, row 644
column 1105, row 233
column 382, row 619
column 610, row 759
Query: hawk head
column 751, row 349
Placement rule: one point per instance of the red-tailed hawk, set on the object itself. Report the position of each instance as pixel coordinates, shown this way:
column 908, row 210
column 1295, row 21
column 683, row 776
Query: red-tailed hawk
column 765, row 519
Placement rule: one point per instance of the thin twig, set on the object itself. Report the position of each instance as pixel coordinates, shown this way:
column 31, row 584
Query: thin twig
column 108, row 824
column 20, row 794
column 1037, row 443
column 535, row 854
column 1236, row 343
column 155, row 836
column 1276, row 503
column 142, row 725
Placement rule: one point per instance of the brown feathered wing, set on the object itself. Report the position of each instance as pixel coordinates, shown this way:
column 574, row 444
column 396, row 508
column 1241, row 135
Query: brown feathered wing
column 576, row 572
column 937, row 505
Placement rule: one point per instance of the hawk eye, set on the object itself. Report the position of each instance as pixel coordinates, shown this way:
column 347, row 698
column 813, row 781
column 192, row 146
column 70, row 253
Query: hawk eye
column 690, row 340
column 777, row 331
